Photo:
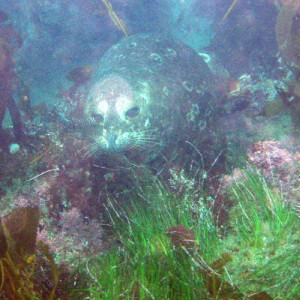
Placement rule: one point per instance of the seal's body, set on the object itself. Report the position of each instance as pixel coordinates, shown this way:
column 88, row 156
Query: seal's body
column 150, row 95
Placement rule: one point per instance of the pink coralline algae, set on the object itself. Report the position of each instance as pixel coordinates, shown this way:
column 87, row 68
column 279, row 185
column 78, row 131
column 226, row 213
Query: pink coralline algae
column 279, row 166
column 74, row 235
column 273, row 160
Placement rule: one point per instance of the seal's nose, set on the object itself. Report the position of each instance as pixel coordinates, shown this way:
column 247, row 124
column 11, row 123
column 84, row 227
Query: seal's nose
column 112, row 141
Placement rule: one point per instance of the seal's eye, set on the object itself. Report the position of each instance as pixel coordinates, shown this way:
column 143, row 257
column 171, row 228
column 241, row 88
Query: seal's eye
column 132, row 112
column 97, row 118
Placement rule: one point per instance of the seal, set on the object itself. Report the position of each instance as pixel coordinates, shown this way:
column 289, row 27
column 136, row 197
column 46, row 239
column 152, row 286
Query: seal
column 151, row 96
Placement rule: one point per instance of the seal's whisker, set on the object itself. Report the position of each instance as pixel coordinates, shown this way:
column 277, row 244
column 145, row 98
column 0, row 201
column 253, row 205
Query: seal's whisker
column 146, row 133
column 148, row 141
column 90, row 150
column 87, row 154
column 147, row 138
column 84, row 150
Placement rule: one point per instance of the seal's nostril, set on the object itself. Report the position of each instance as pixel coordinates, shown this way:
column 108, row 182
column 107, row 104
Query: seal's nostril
column 112, row 141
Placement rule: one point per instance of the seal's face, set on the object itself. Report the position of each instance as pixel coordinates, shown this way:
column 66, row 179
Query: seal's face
column 119, row 119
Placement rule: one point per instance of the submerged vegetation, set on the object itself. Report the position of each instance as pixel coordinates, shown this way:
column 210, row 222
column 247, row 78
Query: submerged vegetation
column 171, row 240
column 264, row 236
column 20, row 264
column 170, row 248
column 165, row 241
column 192, row 237
column 27, row 267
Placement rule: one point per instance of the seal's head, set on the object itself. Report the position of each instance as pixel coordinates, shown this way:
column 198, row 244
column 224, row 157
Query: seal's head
column 118, row 118
column 149, row 96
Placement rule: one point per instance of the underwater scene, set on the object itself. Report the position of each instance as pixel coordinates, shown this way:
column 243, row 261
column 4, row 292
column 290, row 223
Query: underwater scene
column 149, row 149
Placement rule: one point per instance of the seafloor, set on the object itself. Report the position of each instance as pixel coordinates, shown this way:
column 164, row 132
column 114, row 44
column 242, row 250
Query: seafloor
column 59, row 214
